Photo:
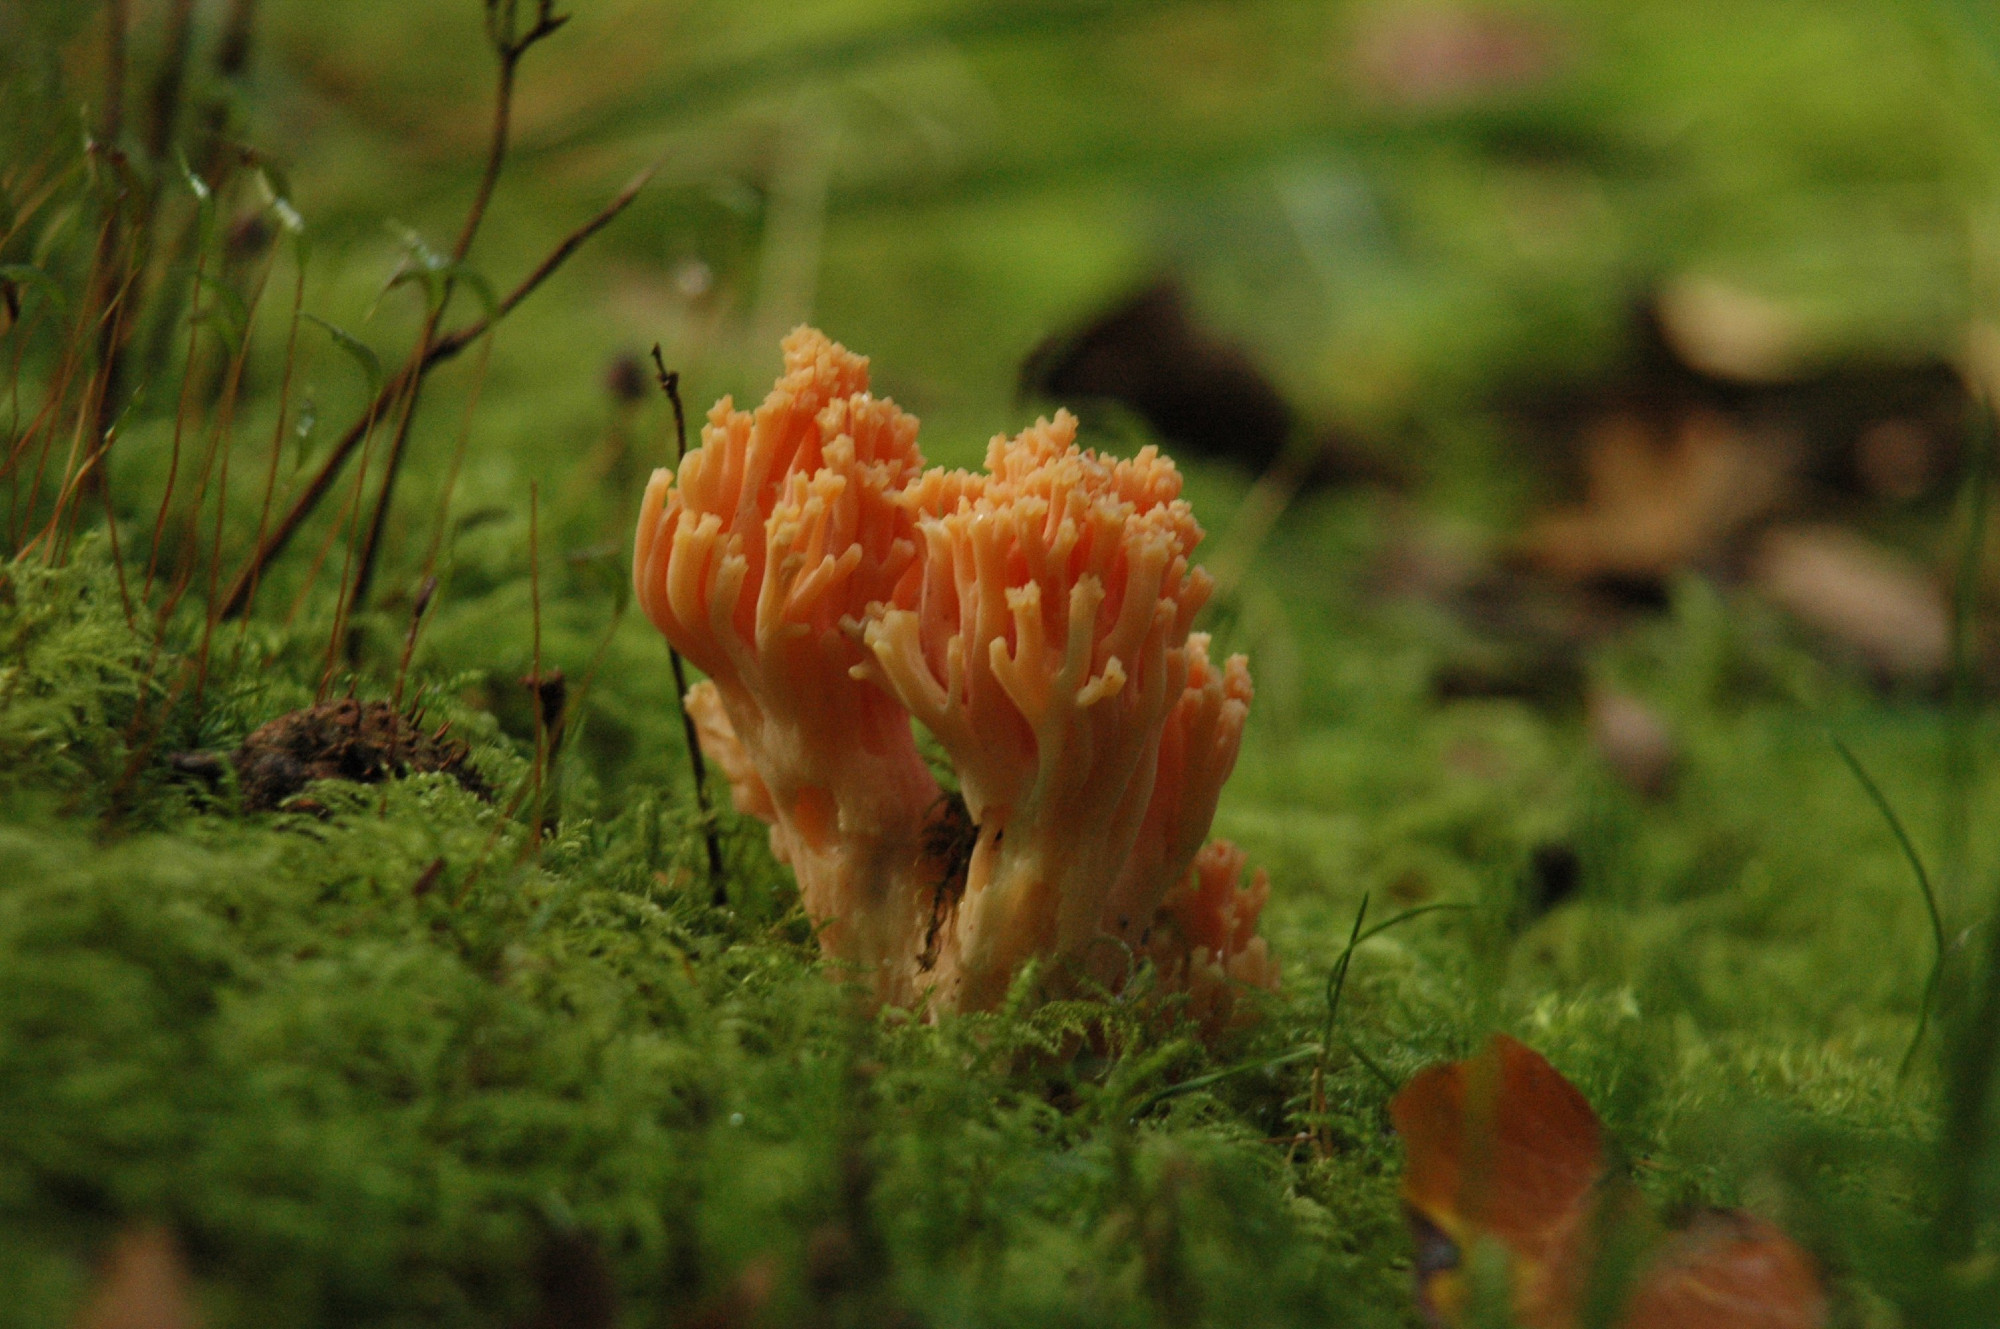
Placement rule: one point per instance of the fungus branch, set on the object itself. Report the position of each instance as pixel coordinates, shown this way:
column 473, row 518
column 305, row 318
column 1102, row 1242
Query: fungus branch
column 1045, row 642
column 782, row 524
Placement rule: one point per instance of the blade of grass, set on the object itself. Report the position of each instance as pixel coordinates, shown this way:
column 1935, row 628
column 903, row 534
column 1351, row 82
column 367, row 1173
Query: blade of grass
column 1159, row 1096
column 1335, row 983
column 1923, row 878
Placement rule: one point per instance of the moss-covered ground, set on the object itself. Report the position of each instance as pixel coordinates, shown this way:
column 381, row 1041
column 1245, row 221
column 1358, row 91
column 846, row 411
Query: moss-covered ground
column 400, row 1060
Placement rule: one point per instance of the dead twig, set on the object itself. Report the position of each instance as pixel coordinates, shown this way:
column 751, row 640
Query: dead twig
column 534, row 679
column 670, row 383
column 510, row 46
column 442, row 349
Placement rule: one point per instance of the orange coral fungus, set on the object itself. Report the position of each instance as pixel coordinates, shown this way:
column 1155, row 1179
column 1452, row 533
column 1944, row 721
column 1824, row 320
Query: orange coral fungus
column 780, row 525
column 1044, row 640
column 1034, row 617
column 1503, row 1149
column 1204, row 939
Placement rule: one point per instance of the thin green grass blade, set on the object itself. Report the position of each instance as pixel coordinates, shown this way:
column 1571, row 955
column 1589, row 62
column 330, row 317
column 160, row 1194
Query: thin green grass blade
column 1923, row 876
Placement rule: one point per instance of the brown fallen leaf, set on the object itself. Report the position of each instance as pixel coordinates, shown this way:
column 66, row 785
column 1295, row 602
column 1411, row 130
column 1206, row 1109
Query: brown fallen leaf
column 142, row 1285
column 1502, row 1149
column 1880, row 605
column 1651, row 508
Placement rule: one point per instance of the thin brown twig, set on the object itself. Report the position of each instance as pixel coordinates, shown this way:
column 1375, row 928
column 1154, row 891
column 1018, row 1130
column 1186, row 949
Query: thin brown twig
column 341, row 603
column 220, row 437
column 35, row 197
column 510, row 48
column 444, row 348
column 278, row 426
column 311, row 579
column 111, row 126
column 368, row 542
column 40, row 427
column 101, row 471
column 535, row 672
column 417, row 610
column 232, row 53
column 117, row 553
column 165, row 107
column 670, row 383
column 103, row 311
column 162, row 114
column 436, row 547
column 597, row 657
column 119, row 16
column 221, row 431
column 53, row 397
column 180, row 419
column 81, row 465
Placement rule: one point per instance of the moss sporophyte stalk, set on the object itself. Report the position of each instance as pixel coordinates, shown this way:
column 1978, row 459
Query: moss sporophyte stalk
column 1035, row 617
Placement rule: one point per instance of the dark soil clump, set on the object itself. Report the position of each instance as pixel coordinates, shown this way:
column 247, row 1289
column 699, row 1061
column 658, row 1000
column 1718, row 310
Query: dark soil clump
column 366, row 742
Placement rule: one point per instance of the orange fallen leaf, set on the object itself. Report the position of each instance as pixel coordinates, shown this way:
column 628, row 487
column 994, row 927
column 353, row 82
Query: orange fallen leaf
column 1728, row 1270
column 1502, row 1147
column 1503, row 1150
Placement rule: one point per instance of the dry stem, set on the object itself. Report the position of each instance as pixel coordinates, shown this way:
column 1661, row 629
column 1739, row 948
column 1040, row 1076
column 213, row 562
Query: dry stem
column 440, row 350
column 670, row 383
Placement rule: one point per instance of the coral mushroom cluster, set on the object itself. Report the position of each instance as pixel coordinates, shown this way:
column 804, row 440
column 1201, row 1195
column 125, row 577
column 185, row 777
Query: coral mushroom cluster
column 1035, row 618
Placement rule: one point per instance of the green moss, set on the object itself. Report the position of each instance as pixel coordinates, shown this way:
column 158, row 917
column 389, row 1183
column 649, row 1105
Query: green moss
column 366, row 1064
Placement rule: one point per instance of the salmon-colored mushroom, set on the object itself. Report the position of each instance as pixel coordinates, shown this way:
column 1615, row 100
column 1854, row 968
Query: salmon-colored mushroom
column 782, row 524
column 1034, row 617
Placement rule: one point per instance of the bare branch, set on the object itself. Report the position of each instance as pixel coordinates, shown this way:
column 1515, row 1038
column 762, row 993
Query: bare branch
column 443, row 348
column 510, row 50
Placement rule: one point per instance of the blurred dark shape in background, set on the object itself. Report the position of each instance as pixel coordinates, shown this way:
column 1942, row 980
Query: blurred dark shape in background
column 1708, row 359
column 627, row 379
column 1198, row 391
column 1717, row 446
column 1554, row 876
